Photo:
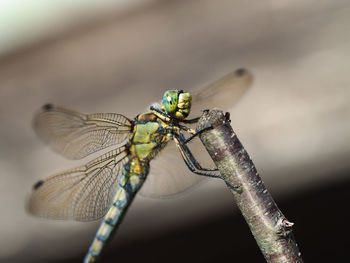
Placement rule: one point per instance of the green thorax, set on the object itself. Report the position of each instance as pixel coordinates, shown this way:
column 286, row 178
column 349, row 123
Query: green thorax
column 149, row 136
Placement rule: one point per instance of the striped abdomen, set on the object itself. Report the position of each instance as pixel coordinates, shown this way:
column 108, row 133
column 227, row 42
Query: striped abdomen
column 130, row 182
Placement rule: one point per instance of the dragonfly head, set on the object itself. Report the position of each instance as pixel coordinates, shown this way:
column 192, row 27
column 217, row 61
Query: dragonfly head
column 177, row 103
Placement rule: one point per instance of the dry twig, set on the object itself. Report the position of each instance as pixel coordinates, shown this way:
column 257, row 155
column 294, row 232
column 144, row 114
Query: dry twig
column 271, row 229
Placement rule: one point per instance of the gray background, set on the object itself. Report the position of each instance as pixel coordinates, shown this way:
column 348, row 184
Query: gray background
column 294, row 121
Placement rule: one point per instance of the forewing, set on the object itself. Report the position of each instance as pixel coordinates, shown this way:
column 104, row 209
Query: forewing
column 84, row 193
column 223, row 93
column 76, row 135
column 169, row 175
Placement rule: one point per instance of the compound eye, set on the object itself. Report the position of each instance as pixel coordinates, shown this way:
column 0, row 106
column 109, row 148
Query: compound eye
column 170, row 99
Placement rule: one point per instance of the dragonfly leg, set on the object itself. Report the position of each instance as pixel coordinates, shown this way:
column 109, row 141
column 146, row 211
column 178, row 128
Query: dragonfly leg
column 184, row 140
column 189, row 154
column 196, row 168
column 194, row 160
column 194, row 120
column 161, row 112
column 191, row 161
column 193, row 170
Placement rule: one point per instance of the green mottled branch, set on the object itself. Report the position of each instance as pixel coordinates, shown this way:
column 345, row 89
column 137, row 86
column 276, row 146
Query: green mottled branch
column 271, row 230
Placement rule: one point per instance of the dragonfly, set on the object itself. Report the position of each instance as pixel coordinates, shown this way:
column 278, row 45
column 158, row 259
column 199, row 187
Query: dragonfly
column 106, row 186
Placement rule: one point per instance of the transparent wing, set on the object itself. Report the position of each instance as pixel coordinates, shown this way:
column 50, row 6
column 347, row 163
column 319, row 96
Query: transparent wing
column 169, row 175
column 76, row 135
column 223, row 93
column 84, row 193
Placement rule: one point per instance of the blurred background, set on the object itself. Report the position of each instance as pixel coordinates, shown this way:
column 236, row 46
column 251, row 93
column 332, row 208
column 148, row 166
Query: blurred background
column 120, row 56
